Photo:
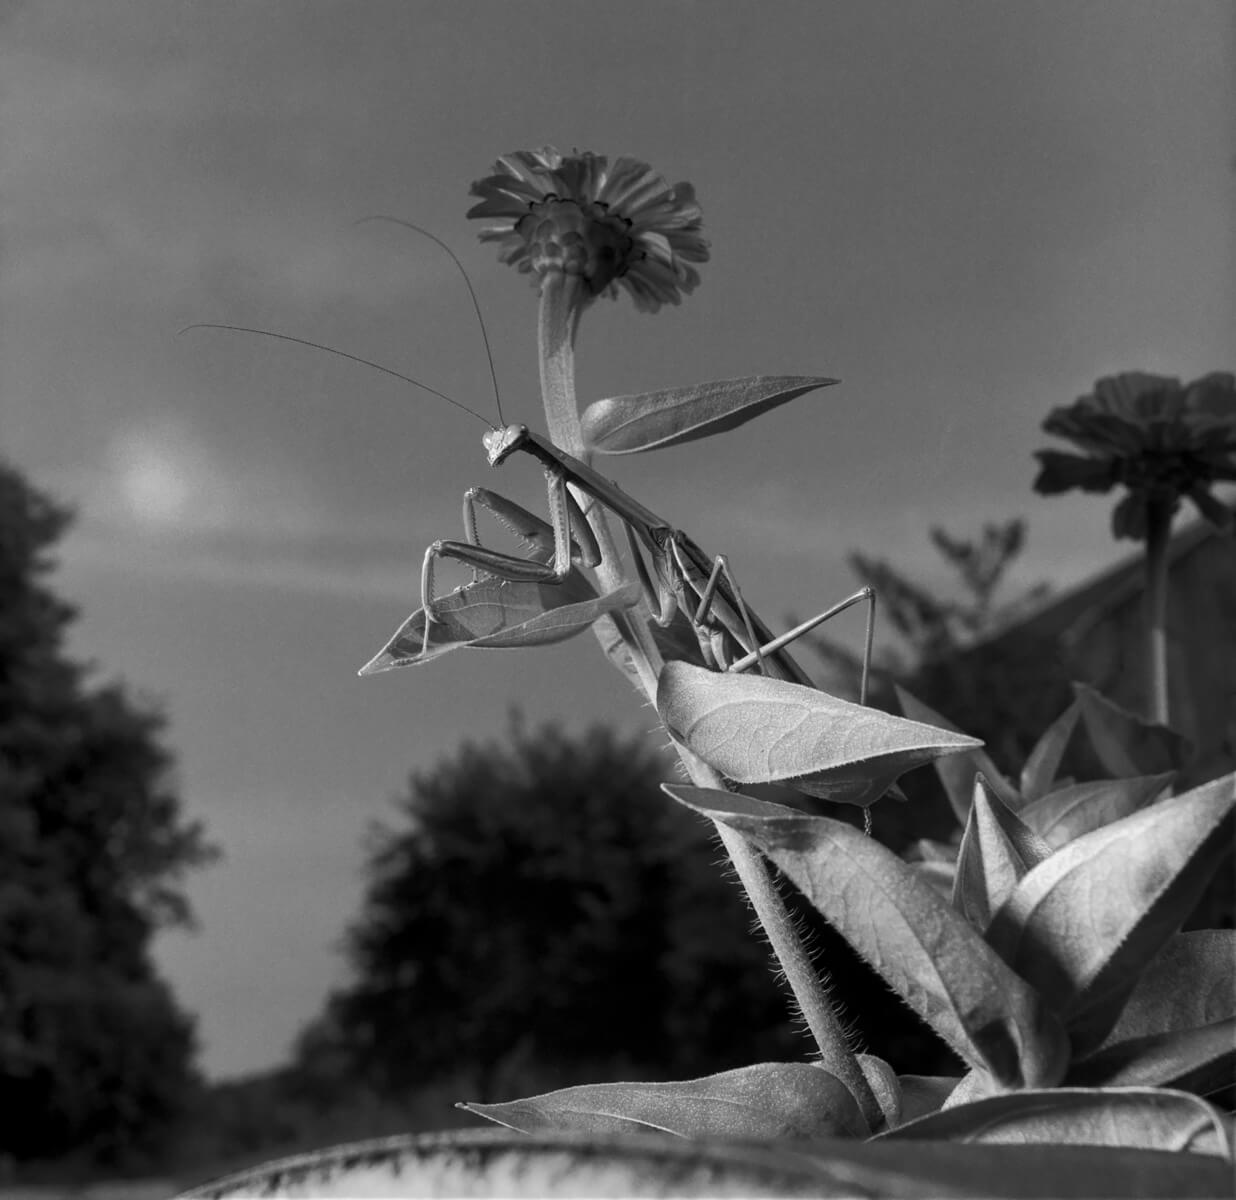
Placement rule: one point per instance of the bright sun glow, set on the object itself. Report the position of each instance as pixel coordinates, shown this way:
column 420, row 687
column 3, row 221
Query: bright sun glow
column 154, row 482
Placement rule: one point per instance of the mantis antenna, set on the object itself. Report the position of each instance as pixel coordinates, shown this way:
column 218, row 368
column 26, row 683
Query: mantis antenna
column 476, row 304
column 356, row 358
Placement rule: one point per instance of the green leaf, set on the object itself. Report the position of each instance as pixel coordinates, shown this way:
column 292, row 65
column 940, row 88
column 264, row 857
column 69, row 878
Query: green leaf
column 561, row 622
column 1084, row 924
column 957, row 771
column 771, row 1100
column 651, row 420
column 909, row 933
column 1125, row 744
column 1139, row 1118
column 1201, row 1061
column 1204, row 957
column 1039, row 773
column 1079, row 808
column 758, row 730
column 996, row 851
column 496, row 613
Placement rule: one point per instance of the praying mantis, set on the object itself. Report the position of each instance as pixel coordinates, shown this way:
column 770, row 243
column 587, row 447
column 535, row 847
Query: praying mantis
column 683, row 578
column 731, row 636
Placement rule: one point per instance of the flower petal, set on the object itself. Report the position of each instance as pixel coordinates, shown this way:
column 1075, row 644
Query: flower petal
column 1061, row 472
column 638, row 233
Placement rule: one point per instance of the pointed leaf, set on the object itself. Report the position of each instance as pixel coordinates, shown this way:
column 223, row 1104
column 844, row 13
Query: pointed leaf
column 1199, row 1060
column 1140, row 1118
column 758, row 730
column 771, row 1100
column 500, row 614
column 1125, row 744
column 976, row 1084
column 629, row 424
column 1083, row 925
column 958, row 770
column 560, row 622
column 1079, row 808
column 1159, row 1004
column 996, row 851
column 908, row 933
column 1039, row 773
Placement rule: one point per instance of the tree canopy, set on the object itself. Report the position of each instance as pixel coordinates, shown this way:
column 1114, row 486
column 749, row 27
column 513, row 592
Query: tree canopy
column 96, row 1058
column 541, row 901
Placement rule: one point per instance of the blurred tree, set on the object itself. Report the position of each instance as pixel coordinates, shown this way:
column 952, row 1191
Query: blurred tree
column 95, row 1056
column 542, row 904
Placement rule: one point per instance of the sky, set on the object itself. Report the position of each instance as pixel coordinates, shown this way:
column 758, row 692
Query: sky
column 967, row 212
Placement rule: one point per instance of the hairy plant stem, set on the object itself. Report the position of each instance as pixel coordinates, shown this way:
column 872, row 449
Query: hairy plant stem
column 563, row 298
column 1158, row 534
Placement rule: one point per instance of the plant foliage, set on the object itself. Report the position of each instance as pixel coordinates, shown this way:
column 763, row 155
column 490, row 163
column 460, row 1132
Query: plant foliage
column 95, row 1055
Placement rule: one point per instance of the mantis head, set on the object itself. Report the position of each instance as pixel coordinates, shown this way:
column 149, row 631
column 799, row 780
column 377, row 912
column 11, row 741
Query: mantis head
column 501, row 443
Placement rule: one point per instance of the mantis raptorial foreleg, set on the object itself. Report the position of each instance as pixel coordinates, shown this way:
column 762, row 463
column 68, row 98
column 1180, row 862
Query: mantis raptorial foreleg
column 683, row 577
column 535, row 533
column 554, row 547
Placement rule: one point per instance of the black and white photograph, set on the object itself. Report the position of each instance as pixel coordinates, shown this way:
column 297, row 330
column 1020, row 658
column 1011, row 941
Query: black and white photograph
column 622, row 600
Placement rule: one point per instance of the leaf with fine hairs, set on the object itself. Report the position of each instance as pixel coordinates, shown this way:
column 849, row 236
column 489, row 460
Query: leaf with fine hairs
column 927, row 952
column 996, row 851
column 759, row 730
column 958, row 770
column 1138, row 1118
column 1159, row 1004
column 1083, row 925
column 500, row 614
column 1126, row 744
column 1068, row 812
column 651, row 420
column 1201, row 1061
column 1042, row 763
column 770, row 1100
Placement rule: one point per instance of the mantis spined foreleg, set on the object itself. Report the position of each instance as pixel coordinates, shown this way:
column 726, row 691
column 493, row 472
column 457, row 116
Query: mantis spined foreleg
column 554, row 547
column 682, row 576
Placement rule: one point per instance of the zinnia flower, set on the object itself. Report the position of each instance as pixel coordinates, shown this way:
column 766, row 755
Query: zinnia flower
column 1155, row 436
column 614, row 225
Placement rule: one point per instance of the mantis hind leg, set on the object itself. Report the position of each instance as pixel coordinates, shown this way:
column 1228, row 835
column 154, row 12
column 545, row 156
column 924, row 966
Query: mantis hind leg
column 863, row 595
column 739, row 627
column 717, row 634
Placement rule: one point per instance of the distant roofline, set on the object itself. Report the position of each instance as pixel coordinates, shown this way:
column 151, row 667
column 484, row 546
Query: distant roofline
column 1060, row 612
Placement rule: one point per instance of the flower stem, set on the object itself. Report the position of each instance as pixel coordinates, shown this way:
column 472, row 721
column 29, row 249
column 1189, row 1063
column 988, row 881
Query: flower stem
column 809, row 991
column 562, row 302
column 1158, row 533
